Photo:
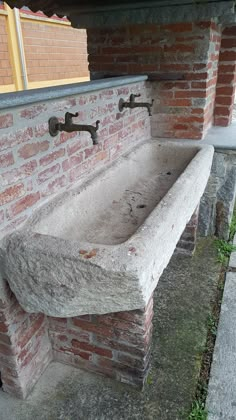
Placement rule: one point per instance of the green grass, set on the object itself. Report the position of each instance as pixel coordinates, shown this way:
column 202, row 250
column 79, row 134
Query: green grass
column 232, row 227
column 212, row 324
column 149, row 380
column 198, row 412
column 224, row 250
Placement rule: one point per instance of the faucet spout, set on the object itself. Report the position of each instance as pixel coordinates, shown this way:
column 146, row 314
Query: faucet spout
column 68, row 126
column 132, row 104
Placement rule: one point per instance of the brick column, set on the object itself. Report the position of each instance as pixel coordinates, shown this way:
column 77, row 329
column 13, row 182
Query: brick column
column 116, row 345
column 25, row 350
column 187, row 53
column 225, row 91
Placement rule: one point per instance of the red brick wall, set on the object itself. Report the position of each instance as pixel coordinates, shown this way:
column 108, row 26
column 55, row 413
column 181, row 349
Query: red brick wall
column 116, row 345
column 53, row 51
column 226, row 82
column 6, row 76
column 183, row 108
column 34, row 165
column 25, row 349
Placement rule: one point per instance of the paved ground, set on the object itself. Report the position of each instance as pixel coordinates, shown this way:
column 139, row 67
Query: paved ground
column 182, row 305
column 221, row 400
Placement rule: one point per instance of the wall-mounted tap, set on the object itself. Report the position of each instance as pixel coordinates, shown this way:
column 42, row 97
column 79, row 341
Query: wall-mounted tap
column 132, row 104
column 55, row 126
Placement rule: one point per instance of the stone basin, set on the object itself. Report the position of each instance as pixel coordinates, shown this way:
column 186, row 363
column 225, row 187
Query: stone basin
column 102, row 246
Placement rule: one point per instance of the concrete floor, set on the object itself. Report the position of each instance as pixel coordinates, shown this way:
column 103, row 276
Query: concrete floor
column 182, row 305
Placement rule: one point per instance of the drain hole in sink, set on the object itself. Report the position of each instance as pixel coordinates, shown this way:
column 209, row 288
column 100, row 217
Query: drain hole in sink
column 141, row 206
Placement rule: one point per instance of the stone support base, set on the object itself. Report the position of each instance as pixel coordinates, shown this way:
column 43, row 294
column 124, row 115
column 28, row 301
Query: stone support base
column 187, row 242
column 116, row 345
column 25, row 349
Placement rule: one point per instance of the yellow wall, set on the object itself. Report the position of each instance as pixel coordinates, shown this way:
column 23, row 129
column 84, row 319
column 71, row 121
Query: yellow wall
column 54, row 53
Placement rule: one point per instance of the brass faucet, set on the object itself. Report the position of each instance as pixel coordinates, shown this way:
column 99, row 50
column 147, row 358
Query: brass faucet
column 132, row 104
column 55, row 126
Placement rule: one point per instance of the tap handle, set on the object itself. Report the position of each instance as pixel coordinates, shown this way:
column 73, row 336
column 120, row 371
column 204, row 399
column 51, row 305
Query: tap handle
column 69, row 116
column 133, row 96
column 73, row 115
column 149, row 108
column 97, row 125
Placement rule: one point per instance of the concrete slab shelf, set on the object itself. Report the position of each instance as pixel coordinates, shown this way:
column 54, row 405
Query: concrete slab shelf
column 14, row 99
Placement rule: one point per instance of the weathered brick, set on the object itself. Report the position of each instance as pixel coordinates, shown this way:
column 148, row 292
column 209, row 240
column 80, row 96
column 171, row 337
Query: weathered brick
column 225, row 90
column 88, row 326
column 178, row 27
column 7, row 350
column 115, row 127
column 23, row 204
column 12, row 139
column 63, row 104
column 54, row 186
column 6, row 121
column 196, row 76
column 179, row 47
column 222, row 121
column 3, row 327
column 190, row 94
column 6, row 159
column 100, row 156
column 199, row 66
column 41, row 129
column 175, row 67
column 32, row 149
column 48, row 173
column 176, row 102
column 225, row 100
column 133, row 362
column 76, row 145
column 75, row 173
column 203, row 25
column 228, row 55
column 64, row 137
column 75, row 351
column 120, row 324
column 73, row 160
column 92, row 150
column 51, row 157
column 33, row 111
column 230, row 30
column 91, row 348
column 11, row 193
column 34, row 326
column 17, row 174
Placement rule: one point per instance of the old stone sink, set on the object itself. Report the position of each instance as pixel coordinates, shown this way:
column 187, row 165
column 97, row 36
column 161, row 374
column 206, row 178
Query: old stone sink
column 102, row 246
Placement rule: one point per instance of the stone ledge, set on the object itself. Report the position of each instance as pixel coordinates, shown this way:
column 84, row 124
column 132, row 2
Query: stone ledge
column 14, row 99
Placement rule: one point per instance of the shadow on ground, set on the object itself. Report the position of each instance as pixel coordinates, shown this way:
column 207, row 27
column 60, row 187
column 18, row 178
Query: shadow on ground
column 182, row 305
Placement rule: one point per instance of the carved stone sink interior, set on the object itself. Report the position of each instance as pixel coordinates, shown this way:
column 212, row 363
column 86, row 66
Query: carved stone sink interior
column 102, row 246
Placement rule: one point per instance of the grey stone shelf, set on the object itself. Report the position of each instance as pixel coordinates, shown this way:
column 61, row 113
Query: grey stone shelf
column 26, row 97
